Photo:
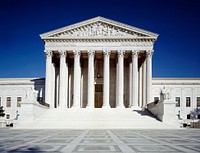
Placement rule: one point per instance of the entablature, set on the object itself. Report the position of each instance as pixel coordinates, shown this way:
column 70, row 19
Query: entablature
column 99, row 46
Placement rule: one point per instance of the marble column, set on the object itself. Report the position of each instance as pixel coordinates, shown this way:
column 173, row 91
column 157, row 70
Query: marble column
column 62, row 85
column 77, row 79
column 48, row 85
column 53, row 82
column 90, row 93
column 130, row 83
column 106, row 79
column 117, row 80
column 149, row 76
column 140, row 87
column 66, row 83
column 135, row 79
column 144, row 84
column 120, row 95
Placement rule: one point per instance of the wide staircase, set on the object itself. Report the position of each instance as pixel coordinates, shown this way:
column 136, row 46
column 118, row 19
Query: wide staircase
column 98, row 118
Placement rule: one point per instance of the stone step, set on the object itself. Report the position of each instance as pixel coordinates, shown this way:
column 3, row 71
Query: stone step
column 100, row 118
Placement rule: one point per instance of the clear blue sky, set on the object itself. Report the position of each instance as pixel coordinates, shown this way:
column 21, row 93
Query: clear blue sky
column 177, row 50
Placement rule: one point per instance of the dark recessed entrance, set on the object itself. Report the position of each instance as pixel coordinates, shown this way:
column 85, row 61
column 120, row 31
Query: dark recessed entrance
column 98, row 95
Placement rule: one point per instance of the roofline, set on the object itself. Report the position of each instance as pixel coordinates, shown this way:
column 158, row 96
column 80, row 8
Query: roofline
column 176, row 78
column 1, row 79
column 99, row 18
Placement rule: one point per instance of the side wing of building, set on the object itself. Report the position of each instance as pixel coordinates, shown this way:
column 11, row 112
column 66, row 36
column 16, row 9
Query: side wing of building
column 184, row 91
column 13, row 91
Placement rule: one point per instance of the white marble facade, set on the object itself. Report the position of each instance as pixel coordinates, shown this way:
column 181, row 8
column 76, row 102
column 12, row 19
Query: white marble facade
column 98, row 63
column 98, row 53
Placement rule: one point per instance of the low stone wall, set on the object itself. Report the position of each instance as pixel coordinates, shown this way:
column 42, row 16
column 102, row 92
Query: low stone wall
column 164, row 111
column 30, row 111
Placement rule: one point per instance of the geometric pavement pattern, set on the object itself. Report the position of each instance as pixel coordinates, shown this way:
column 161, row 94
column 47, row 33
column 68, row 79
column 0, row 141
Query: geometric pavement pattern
column 100, row 141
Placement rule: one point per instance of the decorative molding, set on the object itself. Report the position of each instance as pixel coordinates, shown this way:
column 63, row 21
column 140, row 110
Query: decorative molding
column 72, row 43
column 138, row 43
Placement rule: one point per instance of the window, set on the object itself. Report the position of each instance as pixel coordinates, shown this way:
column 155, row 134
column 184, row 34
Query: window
column 177, row 99
column 7, row 116
column 19, row 100
column 187, row 101
column 188, row 116
column 198, row 101
column 8, row 102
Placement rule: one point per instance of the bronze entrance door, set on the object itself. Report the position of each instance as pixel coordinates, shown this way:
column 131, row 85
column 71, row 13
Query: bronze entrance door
column 98, row 95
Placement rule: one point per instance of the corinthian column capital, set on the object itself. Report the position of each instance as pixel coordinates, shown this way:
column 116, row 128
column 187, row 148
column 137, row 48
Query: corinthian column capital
column 62, row 53
column 120, row 53
column 106, row 53
column 76, row 53
column 48, row 53
column 135, row 53
column 149, row 53
column 91, row 53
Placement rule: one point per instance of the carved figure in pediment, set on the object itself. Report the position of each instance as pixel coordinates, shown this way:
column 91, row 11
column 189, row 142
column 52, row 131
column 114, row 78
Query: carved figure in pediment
column 113, row 32
column 97, row 29
column 89, row 30
column 94, row 29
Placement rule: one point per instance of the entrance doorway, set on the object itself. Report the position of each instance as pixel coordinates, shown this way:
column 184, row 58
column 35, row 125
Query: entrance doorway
column 98, row 95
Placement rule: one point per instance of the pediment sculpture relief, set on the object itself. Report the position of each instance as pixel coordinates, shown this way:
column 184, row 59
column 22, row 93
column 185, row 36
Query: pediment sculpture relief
column 97, row 29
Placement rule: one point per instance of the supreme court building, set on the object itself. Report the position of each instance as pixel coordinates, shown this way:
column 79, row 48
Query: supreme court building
column 98, row 63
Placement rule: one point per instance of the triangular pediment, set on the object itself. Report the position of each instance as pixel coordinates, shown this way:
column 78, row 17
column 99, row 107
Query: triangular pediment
column 98, row 27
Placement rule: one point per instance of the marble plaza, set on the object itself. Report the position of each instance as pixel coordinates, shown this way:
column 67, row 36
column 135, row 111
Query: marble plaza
column 104, row 141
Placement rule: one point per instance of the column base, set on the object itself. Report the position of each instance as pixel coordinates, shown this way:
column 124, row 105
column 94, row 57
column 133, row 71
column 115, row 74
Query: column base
column 75, row 106
column 106, row 107
column 89, row 107
column 120, row 107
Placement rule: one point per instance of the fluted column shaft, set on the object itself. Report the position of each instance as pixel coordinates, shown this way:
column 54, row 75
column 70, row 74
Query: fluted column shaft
column 62, row 85
column 149, row 76
column 77, row 79
column 130, row 83
column 106, row 78
column 120, row 95
column 53, row 83
column 144, row 84
column 135, row 79
column 140, row 87
column 48, row 85
column 90, row 96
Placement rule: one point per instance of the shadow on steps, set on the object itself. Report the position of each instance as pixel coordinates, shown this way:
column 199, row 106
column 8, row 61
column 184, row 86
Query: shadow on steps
column 145, row 112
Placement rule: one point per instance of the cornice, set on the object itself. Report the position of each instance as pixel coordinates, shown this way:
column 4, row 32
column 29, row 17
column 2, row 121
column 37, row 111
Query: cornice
column 176, row 83
column 101, row 39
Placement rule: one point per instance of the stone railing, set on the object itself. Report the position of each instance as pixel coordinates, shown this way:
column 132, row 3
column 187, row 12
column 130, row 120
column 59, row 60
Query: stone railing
column 31, row 110
column 164, row 111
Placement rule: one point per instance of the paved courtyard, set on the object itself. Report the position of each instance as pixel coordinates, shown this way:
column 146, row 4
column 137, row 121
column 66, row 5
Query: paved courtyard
column 104, row 141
